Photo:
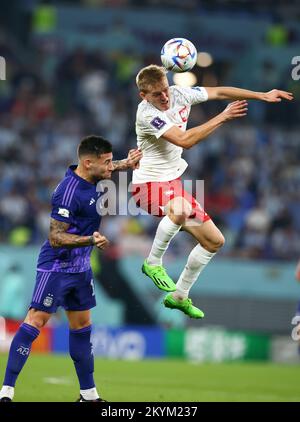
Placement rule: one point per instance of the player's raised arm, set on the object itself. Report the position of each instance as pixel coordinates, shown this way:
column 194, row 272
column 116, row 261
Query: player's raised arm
column 59, row 238
column 131, row 162
column 195, row 135
column 231, row 93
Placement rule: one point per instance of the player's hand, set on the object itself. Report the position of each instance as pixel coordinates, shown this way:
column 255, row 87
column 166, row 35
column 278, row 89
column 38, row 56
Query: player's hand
column 100, row 241
column 235, row 109
column 133, row 159
column 275, row 96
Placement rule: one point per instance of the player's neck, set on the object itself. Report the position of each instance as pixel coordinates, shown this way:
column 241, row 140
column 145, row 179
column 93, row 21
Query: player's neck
column 83, row 174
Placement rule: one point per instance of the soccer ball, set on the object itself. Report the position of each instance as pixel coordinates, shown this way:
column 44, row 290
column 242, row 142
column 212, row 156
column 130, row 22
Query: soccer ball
column 178, row 55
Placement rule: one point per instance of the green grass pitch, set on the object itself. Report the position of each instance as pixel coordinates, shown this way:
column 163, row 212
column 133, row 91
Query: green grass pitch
column 52, row 378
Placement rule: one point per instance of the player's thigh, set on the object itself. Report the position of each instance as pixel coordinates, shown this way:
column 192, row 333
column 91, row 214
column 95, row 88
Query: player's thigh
column 79, row 319
column 178, row 206
column 207, row 234
column 79, row 292
column 46, row 296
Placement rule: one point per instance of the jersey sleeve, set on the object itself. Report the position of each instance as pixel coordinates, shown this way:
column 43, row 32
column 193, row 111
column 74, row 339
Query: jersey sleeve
column 153, row 122
column 194, row 95
column 64, row 201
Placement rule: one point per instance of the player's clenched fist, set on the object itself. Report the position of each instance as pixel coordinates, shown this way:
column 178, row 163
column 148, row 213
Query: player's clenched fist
column 100, row 241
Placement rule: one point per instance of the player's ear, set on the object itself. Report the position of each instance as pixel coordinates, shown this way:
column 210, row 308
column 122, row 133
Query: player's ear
column 142, row 95
column 87, row 163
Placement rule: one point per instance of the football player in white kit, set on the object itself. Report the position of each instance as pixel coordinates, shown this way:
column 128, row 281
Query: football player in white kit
column 161, row 135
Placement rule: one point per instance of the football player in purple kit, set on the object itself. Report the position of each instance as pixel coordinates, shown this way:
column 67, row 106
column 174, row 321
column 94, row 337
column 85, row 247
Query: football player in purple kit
column 64, row 276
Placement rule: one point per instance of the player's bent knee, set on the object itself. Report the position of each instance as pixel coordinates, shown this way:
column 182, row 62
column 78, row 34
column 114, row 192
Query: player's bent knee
column 221, row 241
column 214, row 244
column 217, row 242
column 36, row 318
column 78, row 325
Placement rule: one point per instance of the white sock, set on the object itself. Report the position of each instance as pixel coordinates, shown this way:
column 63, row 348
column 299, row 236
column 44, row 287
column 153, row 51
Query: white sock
column 165, row 232
column 7, row 391
column 197, row 261
column 90, row 394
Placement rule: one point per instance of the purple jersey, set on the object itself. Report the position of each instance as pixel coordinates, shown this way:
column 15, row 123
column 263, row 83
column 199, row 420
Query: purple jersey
column 73, row 202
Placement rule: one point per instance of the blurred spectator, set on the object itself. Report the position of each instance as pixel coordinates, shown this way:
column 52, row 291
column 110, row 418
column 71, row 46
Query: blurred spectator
column 12, row 294
column 277, row 34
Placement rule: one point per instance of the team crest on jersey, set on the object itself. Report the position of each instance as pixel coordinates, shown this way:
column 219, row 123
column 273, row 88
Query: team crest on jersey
column 184, row 114
column 158, row 123
column 48, row 301
column 63, row 212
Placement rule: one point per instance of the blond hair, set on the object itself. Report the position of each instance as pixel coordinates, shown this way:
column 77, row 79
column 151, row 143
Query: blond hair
column 149, row 76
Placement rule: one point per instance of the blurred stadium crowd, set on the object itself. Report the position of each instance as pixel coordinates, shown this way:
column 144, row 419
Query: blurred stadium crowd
column 250, row 167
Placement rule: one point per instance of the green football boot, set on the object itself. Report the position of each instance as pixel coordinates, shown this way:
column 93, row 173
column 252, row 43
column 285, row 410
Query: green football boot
column 159, row 276
column 185, row 305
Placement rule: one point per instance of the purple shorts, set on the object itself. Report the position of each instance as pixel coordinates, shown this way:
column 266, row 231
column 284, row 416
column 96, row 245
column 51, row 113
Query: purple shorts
column 72, row 291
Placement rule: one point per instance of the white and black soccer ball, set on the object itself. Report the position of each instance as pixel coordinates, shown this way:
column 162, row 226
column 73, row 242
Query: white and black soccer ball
column 178, row 55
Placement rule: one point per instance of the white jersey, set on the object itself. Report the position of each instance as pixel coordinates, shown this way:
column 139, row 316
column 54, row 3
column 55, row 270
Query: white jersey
column 161, row 159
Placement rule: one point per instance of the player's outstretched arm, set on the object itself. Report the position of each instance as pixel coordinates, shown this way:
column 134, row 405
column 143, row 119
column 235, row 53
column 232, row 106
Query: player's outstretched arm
column 231, row 93
column 131, row 162
column 197, row 134
column 59, row 238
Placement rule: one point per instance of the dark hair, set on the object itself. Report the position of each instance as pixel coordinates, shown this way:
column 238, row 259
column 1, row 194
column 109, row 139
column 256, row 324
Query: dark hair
column 94, row 145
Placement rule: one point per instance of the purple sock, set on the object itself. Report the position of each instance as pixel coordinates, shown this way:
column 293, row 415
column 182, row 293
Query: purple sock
column 19, row 352
column 82, row 354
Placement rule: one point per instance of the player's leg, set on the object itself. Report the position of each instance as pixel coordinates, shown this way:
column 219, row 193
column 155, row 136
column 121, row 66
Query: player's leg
column 210, row 240
column 44, row 303
column 78, row 302
column 153, row 198
column 20, row 349
column 177, row 210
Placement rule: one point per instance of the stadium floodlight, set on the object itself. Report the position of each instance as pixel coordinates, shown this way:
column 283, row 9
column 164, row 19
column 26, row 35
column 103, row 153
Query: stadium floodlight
column 185, row 79
column 204, row 59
